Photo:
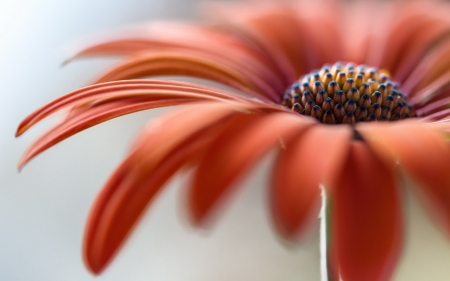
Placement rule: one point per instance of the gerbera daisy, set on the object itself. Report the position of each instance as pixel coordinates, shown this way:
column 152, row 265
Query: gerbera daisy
column 353, row 97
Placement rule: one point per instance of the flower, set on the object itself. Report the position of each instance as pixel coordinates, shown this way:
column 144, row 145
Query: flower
column 284, row 59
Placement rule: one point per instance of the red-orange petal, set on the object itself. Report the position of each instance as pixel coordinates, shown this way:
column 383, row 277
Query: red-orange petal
column 366, row 222
column 313, row 158
column 187, row 36
column 272, row 27
column 89, row 117
column 124, row 89
column 429, row 75
column 195, row 64
column 173, row 141
column 424, row 153
column 233, row 153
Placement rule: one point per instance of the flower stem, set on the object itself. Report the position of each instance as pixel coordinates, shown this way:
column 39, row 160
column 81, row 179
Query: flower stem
column 325, row 237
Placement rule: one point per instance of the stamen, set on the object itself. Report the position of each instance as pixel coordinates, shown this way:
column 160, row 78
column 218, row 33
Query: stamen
column 339, row 97
column 328, row 104
column 317, row 87
column 328, row 117
column 333, row 87
column 321, row 96
column 316, row 112
column 349, row 118
column 297, row 107
column 306, row 97
column 308, row 107
column 361, row 113
column 339, row 111
column 345, row 93
column 377, row 97
column 353, row 94
column 365, row 101
column 350, row 106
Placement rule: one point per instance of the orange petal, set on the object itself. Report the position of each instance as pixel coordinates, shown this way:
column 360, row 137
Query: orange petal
column 171, row 142
column 427, row 77
column 313, row 158
column 124, row 89
column 196, row 64
column 272, row 27
column 368, row 30
column 91, row 117
column 344, row 19
column 434, row 107
column 366, row 221
column 424, row 153
column 424, row 40
column 410, row 23
column 438, row 89
column 233, row 153
column 123, row 200
column 182, row 36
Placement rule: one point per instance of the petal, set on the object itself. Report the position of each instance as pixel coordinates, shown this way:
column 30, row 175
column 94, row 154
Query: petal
column 438, row 89
column 434, row 107
column 169, row 143
column 233, row 153
column 360, row 49
column 366, row 218
column 195, row 64
column 272, row 27
column 125, row 89
column 430, row 74
column 438, row 116
column 99, row 103
column 313, row 158
column 91, row 117
column 412, row 22
column 186, row 37
column 424, row 40
column 424, row 153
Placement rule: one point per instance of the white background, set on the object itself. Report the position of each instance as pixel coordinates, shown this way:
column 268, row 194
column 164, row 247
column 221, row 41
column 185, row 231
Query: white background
column 43, row 208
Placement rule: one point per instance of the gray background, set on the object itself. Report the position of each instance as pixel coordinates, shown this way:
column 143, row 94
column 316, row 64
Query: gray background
column 44, row 207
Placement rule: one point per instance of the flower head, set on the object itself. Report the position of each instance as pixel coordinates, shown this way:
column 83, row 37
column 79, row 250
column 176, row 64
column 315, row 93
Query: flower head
column 314, row 77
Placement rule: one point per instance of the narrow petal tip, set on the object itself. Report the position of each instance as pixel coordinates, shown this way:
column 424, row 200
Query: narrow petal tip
column 20, row 130
column 96, row 267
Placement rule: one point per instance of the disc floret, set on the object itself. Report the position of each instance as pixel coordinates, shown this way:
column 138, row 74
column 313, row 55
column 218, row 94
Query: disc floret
column 345, row 93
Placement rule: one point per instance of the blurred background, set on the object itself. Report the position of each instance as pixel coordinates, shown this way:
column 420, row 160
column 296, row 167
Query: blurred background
column 44, row 207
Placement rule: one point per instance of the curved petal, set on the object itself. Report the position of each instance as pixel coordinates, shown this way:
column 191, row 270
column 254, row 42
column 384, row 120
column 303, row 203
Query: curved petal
column 124, row 89
column 209, row 40
column 425, row 40
column 169, row 143
column 313, row 158
column 400, row 37
column 366, row 218
column 233, row 153
column 360, row 49
column 438, row 116
column 196, row 64
column 434, row 107
column 272, row 27
column 428, row 164
column 438, row 89
column 428, row 74
column 91, row 117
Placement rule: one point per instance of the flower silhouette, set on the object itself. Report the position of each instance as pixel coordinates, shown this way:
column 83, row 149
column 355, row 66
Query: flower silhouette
column 351, row 96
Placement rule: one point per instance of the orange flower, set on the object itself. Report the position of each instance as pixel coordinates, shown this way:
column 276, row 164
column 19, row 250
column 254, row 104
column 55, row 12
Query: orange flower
column 261, row 50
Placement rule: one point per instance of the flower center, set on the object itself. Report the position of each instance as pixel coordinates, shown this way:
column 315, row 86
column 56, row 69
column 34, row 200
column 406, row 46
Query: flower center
column 346, row 94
